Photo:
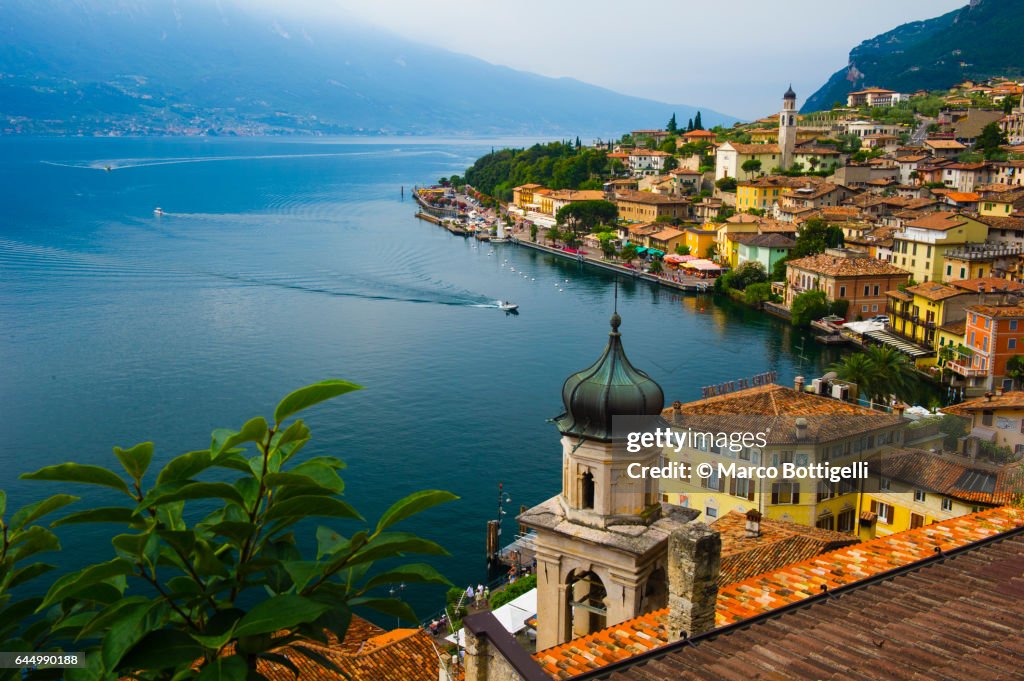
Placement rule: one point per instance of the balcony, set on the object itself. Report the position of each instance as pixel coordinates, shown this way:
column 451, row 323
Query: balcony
column 965, row 371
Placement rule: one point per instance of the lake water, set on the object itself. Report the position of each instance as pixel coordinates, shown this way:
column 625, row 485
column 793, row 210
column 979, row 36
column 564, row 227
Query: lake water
column 283, row 262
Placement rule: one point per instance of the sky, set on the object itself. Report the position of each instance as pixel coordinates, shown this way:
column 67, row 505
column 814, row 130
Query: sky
column 736, row 57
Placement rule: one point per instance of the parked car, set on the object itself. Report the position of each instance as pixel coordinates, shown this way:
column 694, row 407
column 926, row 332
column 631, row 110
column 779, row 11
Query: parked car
column 880, row 318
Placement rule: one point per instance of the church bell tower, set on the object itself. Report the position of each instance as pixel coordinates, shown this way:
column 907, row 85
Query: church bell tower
column 787, row 129
column 601, row 545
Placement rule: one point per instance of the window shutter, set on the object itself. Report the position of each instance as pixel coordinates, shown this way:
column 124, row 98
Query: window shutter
column 732, row 486
column 750, row 490
column 775, row 493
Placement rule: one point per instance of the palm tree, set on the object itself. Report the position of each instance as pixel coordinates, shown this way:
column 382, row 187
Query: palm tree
column 891, row 371
column 856, row 368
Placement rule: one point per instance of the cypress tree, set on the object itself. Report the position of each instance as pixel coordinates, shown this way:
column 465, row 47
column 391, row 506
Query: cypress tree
column 697, row 125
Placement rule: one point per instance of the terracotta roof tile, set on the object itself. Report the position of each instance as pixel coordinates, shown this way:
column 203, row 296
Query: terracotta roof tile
column 933, row 290
column 838, row 266
column 940, row 220
column 956, row 476
column 772, row 590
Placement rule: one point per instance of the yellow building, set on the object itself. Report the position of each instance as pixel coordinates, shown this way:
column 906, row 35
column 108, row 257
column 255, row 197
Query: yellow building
column 701, row 241
column 915, row 488
column 522, row 196
column 801, row 429
column 917, row 312
column 921, row 245
column 648, row 207
column 1001, row 205
column 762, row 193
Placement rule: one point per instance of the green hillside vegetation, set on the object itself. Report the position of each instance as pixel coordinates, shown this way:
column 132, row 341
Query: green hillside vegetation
column 976, row 42
column 556, row 165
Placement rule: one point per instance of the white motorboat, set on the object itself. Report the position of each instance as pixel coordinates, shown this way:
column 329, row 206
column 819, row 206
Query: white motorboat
column 507, row 306
column 158, row 211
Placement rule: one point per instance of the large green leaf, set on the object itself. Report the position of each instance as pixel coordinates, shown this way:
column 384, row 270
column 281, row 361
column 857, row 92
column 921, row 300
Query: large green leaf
column 185, row 466
column 306, row 397
column 24, row 574
column 280, row 612
column 388, row 606
column 70, row 584
column 419, row 573
column 312, row 507
column 103, row 619
column 301, row 571
column 413, row 504
column 162, row 650
column 34, row 540
column 107, row 514
column 135, row 460
column 198, row 490
column 395, row 544
column 33, row 512
column 3, row 503
column 128, row 628
column 77, row 472
column 254, row 430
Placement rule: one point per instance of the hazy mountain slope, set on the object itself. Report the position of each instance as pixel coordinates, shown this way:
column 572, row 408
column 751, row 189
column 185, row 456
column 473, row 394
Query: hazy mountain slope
column 978, row 41
column 164, row 65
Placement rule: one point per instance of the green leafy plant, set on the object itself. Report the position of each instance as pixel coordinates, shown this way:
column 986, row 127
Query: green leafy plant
column 207, row 576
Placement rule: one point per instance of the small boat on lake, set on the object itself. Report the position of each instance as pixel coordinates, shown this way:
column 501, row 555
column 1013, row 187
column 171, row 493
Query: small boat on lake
column 507, row 306
column 158, row 211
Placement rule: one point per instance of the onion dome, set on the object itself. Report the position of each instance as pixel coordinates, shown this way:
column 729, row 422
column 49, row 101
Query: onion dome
column 789, row 93
column 610, row 387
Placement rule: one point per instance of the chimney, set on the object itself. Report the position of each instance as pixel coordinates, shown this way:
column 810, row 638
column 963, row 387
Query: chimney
column 898, row 408
column 753, row 524
column 999, row 392
column 798, row 384
column 988, row 396
column 694, row 558
column 801, row 429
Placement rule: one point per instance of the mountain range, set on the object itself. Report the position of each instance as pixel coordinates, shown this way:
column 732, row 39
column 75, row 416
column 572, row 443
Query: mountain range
column 976, row 42
column 221, row 67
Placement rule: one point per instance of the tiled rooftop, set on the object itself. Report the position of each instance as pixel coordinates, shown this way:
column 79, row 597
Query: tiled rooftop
column 940, row 220
column 838, row 266
column 988, row 284
column 933, row 290
column 779, row 543
column 954, row 476
column 764, row 593
column 957, row 619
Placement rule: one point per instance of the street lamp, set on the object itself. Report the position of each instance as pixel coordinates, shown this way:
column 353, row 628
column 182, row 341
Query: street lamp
column 396, row 592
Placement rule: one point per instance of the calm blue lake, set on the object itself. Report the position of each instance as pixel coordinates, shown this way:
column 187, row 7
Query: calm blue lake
column 283, row 262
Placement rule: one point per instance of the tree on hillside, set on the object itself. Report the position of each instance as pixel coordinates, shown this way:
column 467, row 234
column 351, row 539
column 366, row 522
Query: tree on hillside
column 689, row 125
column 672, row 126
column 990, row 139
column 671, row 163
column 586, row 215
column 751, row 166
column 815, row 236
column 697, row 124
column 211, row 570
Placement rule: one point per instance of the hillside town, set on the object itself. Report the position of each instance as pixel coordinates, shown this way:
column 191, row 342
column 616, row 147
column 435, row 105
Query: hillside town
column 923, row 217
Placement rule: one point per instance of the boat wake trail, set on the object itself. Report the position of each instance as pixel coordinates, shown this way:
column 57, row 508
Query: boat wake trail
column 22, row 262
column 113, row 164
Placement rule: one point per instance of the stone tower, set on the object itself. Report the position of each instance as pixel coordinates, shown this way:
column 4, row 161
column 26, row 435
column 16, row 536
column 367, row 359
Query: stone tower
column 601, row 544
column 787, row 129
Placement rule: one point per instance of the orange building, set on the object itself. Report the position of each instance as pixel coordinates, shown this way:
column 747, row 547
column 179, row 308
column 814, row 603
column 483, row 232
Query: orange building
column 992, row 335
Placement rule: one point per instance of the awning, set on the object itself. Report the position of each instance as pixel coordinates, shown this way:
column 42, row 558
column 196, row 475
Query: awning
column 513, row 616
column 655, row 251
column 904, row 346
column 641, row 249
column 982, row 433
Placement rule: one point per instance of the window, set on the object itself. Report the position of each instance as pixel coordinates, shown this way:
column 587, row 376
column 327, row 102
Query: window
column 825, row 522
column 1013, row 325
column 711, row 512
column 742, row 488
column 919, row 495
column 949, row 270
column 713, row 482
column 863, row 308
column 883, row 511
column 845, row 521
column 986, row 417
column 874, row 308
column 867, row 290
column 876, row 289
column 785, row 493
column 916, row 521
column 824, row 490
column 947, row 504
column 1011, row 344
column 884, row 484
column 842, row 292
column 588, row 490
